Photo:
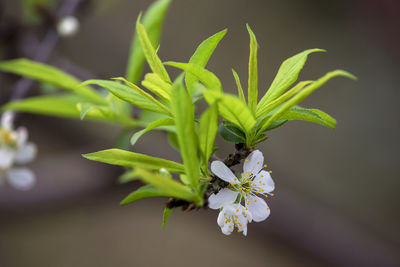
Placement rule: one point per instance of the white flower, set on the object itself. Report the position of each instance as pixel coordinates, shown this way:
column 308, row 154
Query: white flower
column 68, row 26
column 231, row 216
column 254, row 180
column 14, row 149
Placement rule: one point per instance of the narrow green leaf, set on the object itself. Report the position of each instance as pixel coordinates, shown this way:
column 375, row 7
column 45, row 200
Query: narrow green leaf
column 239, row 86
column 173, row 140
column 183, row 110
column 231, row 133
column 152, row 21
column 208, row 130
column 263, row 110
column 143, row 93
column 151, row 126
column 312, row 115
column 253, row 75
column 156, row 85
column 131, row 96
column 100, row 111
column 232, row 109
column 201, row 57
column 169, row 186
column 287, row 75
column 48, row 74
column 131, row 159
column 303, row 94
column 207, row 77
column 150, row 53
column 146, row 191
column 167, row 212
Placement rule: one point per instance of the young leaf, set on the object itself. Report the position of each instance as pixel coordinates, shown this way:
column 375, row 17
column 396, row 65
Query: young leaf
column 131, row 96
column 231, row 133
column 252, row 83
column 183, row 110
column 150, row 53
column 201, row 57
column 239, row 86
column 232, row 109
column 131, row 159
column 156, row 85
column 151, row 126
column 169, row 186
column 208, row 130
column 152, row 22
column 97, row 110
column 303, row 94
column 263, row 110
column 146, row 191
column 312, row 115
column 207, row 77
column 167, row 212
column 287, row 75
column 48, row 74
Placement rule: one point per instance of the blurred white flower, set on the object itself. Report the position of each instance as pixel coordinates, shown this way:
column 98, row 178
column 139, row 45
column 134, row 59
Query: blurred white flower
column 68, row 26
column 14, row 149
column 254, row 180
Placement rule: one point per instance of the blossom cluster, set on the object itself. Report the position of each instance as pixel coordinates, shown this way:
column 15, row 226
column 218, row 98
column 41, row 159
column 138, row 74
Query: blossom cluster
column 243, row 188
column 15, row 149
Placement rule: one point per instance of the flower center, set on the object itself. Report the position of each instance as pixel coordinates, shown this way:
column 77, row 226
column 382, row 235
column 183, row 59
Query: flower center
column 8, row 137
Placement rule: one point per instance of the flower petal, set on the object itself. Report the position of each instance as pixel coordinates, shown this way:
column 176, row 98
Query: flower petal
column 223, row 197
column 264, row 181
column 258, row 208
column 26, row 153
column 6, row 157
column 22, row 136
column 21, row 178
column 6, row 120
column 254, row 162
column 223, row 172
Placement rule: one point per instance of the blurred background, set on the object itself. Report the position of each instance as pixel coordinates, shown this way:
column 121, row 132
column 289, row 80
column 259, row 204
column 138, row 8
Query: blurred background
column 337, row 200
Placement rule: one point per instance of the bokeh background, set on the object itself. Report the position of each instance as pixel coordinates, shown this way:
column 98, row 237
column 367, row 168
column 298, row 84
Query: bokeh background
column 337, row 191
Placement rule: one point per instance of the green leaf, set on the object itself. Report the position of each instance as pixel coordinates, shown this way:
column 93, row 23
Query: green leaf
column 207, row 77
column 287, row 75
column 169, row 186
column 65, row 106
column 146, row 191
column 48, row 74
column 201, row 57
column 312, row 115
column 131, row 96
column 167, row 212
column 239, row 86
column 303, row 94
column 231, row 133
column 150, row 53
column 131, row 159
column 151, row 126
column 173, row 140
column 90, row 108
column 263, row 110
column 252, row 83
column 152, row 22
column 208, row 130
column 183, row 110
column 156, row 85
column 232, row 109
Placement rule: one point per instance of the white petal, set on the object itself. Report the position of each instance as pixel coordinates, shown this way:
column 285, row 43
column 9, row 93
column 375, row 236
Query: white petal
column 264, row 181
column 258, row 208
column 22, row 136
column 254, row 162
column 6, row 157
column 26, row 153
column 227, row 228
column 223, row 197
column 21, row 178
column 6, row 120
column 223, row 172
